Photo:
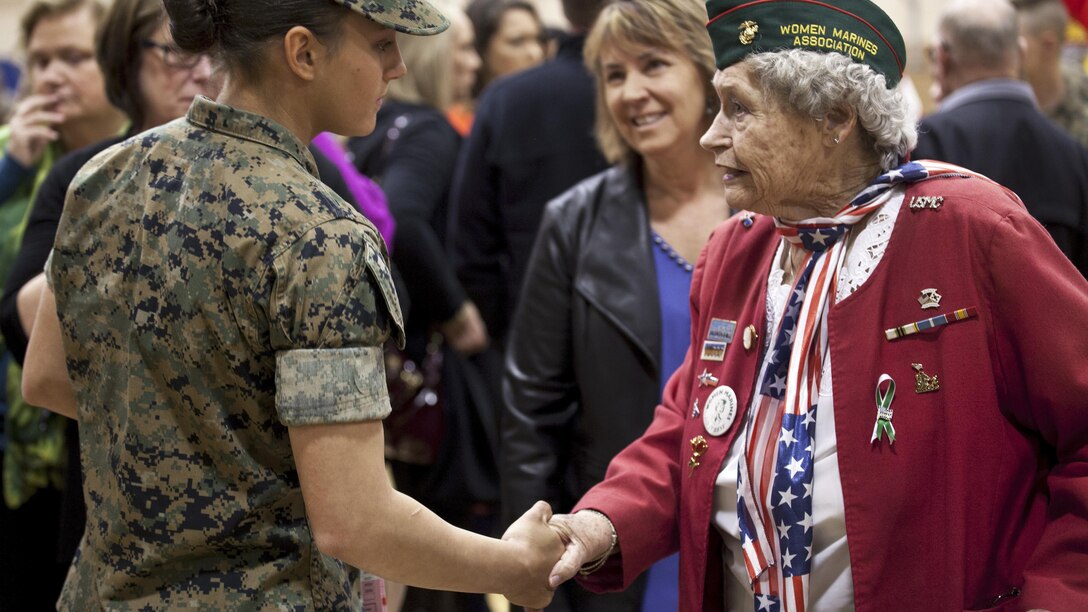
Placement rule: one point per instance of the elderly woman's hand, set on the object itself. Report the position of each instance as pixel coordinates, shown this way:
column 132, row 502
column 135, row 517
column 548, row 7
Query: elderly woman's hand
column 32, row 129
column 588, row 537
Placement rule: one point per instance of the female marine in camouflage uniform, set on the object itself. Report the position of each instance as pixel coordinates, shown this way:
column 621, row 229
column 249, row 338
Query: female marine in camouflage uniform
column 223, row 313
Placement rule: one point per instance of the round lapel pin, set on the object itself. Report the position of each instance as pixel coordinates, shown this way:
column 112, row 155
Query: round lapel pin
column 720, row 410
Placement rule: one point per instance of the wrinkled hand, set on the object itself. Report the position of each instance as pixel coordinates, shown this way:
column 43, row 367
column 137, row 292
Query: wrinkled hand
column 465, row 331
column 33, row 127
column 539, row 547
column 587, row 536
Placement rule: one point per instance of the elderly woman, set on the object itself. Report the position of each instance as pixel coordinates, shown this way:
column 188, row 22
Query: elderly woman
column 878, row 410
column 610, row 272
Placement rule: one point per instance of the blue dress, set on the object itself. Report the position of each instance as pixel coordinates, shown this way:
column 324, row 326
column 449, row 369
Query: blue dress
column 673, row 287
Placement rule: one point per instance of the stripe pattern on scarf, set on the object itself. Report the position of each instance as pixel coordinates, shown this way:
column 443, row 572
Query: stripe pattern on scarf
column 774, row 480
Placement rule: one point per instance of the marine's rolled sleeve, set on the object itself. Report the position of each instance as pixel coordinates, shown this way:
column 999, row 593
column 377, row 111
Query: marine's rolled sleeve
column 332, row 309
column 331, row 385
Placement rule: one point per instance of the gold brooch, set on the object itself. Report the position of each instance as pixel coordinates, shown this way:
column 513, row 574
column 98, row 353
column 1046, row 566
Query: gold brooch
column 924, row 383
column 748, row 31
column 698, row 447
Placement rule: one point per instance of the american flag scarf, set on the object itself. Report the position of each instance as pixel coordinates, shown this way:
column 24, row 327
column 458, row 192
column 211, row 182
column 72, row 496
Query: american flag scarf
column 774, row 480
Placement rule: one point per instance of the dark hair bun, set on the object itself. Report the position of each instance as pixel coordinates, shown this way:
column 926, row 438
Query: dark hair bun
column 236, row 32
column 194, row 24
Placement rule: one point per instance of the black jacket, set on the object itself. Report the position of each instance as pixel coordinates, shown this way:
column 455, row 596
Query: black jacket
column 532, row 140
column 582, row 365
column 411, row 154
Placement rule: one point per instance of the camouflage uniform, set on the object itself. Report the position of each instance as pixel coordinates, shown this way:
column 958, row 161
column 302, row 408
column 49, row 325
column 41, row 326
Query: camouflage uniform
column 1072, row 112
column 213, row 293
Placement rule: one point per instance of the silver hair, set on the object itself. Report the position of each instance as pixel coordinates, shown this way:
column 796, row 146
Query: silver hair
column 813, row 84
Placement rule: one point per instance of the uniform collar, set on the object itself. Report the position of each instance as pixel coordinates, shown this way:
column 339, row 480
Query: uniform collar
column 249, row 126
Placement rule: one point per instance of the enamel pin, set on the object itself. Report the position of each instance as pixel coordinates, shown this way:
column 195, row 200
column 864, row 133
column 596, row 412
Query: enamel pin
column 718, row 337
column 721, row 330
column 706, row 379
column 884, row 399
column 713, row 351
column 929, row 299
column 924, row 383
column 695, row 408
column 720, row 410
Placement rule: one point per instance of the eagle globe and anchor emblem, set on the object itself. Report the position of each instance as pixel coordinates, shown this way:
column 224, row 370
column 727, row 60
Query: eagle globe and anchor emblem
column 748, row 31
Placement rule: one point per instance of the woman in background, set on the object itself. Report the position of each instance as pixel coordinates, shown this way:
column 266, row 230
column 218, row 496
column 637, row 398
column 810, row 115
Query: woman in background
column 412, row 153
column 65, row 109
column 466, row 69
column 509, row 38
column 603, row 317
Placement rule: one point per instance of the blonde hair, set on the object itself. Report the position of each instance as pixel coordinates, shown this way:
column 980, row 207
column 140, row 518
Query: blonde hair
column 676, row 25
column 430, row 79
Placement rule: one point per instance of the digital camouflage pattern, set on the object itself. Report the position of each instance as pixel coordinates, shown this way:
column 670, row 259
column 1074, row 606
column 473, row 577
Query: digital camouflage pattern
column 212, row 293
column 1072, row 112
column 415, row 17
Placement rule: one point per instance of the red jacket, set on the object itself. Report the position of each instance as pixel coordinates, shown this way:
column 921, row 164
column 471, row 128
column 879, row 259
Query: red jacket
column 984, row 493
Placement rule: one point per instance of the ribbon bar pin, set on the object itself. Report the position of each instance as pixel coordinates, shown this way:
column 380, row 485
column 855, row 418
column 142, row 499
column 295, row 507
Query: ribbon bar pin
column 933, row 322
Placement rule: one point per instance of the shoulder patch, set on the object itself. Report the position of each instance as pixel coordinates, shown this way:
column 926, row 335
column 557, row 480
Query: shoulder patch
column 379, row 268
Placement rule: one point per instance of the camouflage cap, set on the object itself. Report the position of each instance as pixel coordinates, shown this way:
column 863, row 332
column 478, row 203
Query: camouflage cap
column 858, row 29
column 416, row 17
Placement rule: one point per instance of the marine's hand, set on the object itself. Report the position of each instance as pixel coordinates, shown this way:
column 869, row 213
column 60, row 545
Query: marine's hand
column 538, row 549
column 33, row 126
column 587, row 536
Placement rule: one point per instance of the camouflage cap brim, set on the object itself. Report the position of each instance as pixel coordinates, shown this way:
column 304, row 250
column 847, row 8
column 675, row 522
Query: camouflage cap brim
column 415, row 17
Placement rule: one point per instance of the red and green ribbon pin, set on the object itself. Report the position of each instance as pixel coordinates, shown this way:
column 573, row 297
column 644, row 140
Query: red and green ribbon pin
column 885, row 393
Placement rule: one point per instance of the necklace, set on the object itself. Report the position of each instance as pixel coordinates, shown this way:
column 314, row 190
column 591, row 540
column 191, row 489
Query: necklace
column 671, row 252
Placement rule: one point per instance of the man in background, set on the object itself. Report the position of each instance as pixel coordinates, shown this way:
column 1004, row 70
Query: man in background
column 1061, row 87
column 531, row 140
column 988, row 121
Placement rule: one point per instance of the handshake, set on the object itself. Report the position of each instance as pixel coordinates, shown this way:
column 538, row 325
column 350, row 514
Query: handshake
column 551, row 549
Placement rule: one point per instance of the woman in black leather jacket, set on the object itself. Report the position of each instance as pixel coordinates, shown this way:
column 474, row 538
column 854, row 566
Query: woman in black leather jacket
column 603, row 317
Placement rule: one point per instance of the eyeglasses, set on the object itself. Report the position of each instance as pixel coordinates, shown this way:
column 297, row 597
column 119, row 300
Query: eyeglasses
column 172, row 56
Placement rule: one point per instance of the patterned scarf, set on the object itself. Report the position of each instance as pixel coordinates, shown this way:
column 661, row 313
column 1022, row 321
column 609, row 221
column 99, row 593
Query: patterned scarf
column 774, row 483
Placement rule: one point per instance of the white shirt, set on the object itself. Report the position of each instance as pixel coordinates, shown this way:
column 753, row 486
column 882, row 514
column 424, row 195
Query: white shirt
column 830, row 582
